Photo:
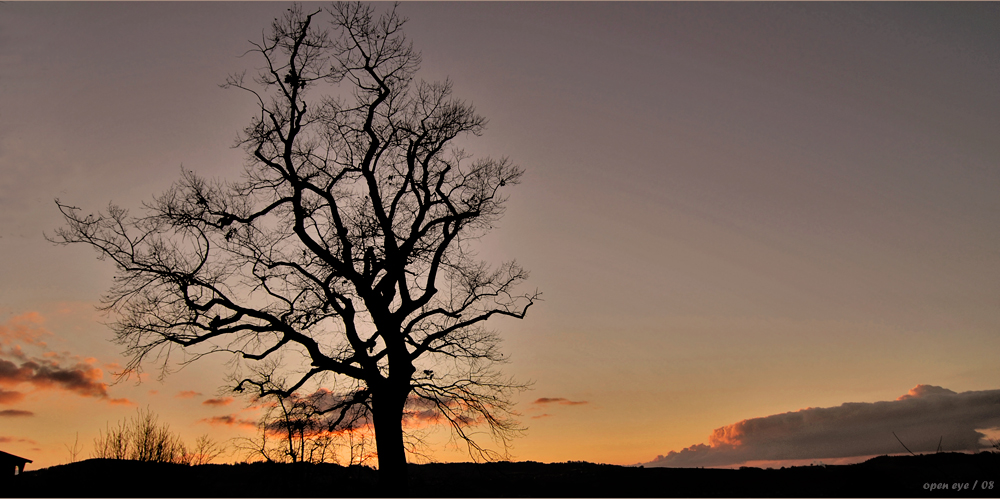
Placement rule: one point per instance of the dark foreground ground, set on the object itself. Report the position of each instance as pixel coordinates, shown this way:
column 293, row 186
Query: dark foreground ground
column 932, row 475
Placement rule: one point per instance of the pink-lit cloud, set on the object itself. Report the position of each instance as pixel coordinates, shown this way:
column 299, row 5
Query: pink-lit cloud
column 923, row 417
column 25, row 328
column 924, row 390
column 219, row 401
column 187, row 394
column 559, row 400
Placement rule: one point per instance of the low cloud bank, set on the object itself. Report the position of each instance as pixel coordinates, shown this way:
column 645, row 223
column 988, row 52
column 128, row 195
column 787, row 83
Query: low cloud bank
column 921, row 418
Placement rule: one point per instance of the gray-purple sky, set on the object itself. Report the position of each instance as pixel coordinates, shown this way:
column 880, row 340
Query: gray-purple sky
column 734, row 210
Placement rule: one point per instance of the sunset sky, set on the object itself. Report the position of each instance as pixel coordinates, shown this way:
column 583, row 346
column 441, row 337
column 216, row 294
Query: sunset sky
column 763, row 232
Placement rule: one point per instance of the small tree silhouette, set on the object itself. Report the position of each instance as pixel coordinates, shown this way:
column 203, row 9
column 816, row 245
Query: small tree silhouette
column 75, row 449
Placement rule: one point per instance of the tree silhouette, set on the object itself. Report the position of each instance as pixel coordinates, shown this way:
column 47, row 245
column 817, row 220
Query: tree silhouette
column 346, row 242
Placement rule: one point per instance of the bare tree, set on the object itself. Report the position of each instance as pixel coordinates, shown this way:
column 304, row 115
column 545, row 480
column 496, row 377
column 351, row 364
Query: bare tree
column 346, row 242
column 256, row 447
column 299, row 428
column 205, row 450
column 75, row 449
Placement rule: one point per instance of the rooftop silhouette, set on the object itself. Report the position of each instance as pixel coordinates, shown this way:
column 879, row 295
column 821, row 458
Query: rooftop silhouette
column 8, row 460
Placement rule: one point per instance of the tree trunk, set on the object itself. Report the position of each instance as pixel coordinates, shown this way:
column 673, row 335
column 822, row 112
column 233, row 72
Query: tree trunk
column 387, row 413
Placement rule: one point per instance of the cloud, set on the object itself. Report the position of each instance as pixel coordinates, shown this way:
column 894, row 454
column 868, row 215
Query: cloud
column 45, row 370
column 421, row 412
column 229, row 420
column 81, row 378
column 559, row 400
column 10, row 397
column 187, row 394
column 14, row 413
column 924, row 390
column 26, row 328
column 219, row 401
column 921, row 418
column 540, row 416
column 15, row 352
column 11, row 440
column 122, row 401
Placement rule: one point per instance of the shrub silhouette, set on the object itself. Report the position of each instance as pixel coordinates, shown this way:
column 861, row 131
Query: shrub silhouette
column 143, row 438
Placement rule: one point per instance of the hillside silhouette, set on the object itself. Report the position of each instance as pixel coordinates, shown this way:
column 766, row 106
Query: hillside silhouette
column 886, row 476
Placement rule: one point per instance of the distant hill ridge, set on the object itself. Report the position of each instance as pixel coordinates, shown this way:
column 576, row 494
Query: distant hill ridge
column 886, row 476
